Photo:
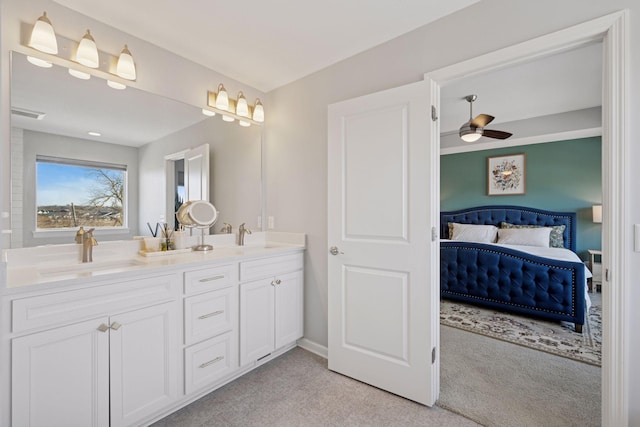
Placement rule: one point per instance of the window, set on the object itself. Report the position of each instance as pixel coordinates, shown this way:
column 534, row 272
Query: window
column 73, row 193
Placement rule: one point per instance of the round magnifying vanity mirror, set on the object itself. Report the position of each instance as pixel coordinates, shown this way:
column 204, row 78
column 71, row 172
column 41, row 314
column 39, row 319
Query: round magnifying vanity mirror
column 198, row 214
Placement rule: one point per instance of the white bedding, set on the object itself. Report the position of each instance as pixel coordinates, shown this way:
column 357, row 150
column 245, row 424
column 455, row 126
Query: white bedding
column 555, row 253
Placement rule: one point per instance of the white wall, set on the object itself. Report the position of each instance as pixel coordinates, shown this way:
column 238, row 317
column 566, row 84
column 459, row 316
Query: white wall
column 234, row 171
column 296, row 137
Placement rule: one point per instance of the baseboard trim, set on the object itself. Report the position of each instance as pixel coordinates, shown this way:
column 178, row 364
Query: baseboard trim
column 314, row 347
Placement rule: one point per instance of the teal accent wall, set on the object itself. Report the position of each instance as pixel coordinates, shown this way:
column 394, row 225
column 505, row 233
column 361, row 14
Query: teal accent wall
column 560, row 176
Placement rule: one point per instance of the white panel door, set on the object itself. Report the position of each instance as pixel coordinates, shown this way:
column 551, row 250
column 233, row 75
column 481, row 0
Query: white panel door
column 60, row 377
column 196, row 173
column 383, row 278
column 144, row 362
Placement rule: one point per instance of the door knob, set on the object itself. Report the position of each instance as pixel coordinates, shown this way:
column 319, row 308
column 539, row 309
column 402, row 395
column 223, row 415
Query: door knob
column 333, row 250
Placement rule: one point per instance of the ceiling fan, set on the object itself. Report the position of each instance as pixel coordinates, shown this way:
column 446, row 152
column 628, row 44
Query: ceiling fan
column 472, row 130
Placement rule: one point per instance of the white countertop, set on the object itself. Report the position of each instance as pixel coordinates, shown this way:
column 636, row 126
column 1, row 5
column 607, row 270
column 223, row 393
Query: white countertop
column 55, row 266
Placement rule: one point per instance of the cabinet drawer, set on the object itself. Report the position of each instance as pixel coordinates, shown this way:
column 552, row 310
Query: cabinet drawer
column 64, row 307
column 210, row 279
column 210, row 361
column 207, row 315
column 268, row 267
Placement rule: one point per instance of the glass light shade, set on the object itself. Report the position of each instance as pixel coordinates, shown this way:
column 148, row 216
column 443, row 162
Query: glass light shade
column 242, row 109
column 596, row 211
column 258, row 112
column 244, row 123
column 87, row 53
column 227, row 118
column 222, row 98
column 116, row 85
column 79, row 74
column 126, row 68
column 43, row 38
column 39, row 62
column 469, row 133
column 208, row 112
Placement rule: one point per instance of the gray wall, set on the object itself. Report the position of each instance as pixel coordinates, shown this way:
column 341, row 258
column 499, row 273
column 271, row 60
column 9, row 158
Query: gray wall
column 296, row 139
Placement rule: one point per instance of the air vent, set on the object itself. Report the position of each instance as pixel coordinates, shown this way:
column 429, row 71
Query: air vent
column 27, row 113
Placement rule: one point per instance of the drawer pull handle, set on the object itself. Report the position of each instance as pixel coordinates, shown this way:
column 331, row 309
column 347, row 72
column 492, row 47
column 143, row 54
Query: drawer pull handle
column 215, row 313
column 211, row 362
column 103, row 327
column 115, row 326
column 211, row 279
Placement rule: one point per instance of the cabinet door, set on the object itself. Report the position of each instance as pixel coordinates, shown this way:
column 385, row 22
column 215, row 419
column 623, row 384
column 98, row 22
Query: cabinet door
column 144, row 356
column 256, row 320
column 288, row 310
column 60, row 377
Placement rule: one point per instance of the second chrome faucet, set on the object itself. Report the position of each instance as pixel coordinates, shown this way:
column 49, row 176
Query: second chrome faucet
column 242, row 230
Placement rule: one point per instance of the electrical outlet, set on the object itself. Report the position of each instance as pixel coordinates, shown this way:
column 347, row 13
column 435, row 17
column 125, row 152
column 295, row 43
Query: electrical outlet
column 270, row 223
column 161, row 217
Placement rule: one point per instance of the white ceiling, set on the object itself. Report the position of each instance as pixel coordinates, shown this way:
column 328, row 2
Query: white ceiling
column 266, row 44
column 555, row 84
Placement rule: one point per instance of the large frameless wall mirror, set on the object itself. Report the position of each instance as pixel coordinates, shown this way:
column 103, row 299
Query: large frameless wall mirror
column 83, row 153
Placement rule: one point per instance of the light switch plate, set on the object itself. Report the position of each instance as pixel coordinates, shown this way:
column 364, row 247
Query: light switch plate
column 636, row 237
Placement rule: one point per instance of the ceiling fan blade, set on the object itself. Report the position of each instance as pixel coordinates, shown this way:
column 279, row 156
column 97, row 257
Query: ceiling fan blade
column 481, row 120
column 497, row 134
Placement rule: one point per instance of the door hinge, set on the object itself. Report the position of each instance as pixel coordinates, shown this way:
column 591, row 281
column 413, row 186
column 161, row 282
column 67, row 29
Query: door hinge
column 434, row 234
column 434, row 113
column 433, row 355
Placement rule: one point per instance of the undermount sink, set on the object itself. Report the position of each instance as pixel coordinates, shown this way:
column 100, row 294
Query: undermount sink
column 89, row 267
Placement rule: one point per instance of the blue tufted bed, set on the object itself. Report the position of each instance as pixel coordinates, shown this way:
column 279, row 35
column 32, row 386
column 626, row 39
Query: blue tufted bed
column 515, row 278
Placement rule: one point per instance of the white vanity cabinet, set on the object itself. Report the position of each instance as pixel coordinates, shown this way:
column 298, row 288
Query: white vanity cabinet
column 210, row 325
column 95, row 356
column 271, row 303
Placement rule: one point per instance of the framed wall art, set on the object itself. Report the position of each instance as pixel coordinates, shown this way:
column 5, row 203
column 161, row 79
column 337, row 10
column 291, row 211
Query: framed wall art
column 506, row 175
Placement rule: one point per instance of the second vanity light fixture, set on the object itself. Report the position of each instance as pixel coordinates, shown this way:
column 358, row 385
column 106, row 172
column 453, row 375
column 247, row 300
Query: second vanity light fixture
column 43, row 39
column 232, row 109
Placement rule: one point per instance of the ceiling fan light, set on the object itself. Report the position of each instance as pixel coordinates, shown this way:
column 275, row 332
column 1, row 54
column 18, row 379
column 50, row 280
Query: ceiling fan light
column 39, row 62
column 125, row 67
column 469, row 133
column 43, row 38
column 79, row 74
column 242, row 108
column 258, row 111
column 87, row 53
column 222, row 98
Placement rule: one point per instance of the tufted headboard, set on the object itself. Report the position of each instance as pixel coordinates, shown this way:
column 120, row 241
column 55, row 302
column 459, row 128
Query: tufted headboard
column 494, row 215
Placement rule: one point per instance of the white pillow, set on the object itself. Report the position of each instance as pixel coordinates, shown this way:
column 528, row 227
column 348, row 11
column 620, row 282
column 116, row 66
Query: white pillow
column 538, row 236
column 474, row 232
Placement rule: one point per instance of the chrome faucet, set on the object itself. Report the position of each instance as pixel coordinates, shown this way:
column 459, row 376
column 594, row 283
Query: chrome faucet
column 241, row 232
column 80, row 235
column 88, row 242
column 227, row 228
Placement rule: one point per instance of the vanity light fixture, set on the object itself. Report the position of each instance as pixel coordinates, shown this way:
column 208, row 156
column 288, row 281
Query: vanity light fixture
column 43, row 38
column 244, row 123
column 208, row 113
column 227, row 118
column 79, row 74
column 242, row 109
column 222, row 99
column 258, row 111
column 126, row 68
column 116, row 85
column 87, row 53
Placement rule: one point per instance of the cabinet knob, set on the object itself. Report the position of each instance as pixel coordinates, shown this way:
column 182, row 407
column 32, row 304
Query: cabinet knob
column 103, row 327
column 115, row 326
column 278, row 281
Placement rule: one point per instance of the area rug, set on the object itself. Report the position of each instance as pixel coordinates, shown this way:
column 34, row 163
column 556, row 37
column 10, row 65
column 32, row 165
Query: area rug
column 557, row 338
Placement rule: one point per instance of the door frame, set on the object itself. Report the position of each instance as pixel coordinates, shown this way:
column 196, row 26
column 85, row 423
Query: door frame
column 612, row 30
